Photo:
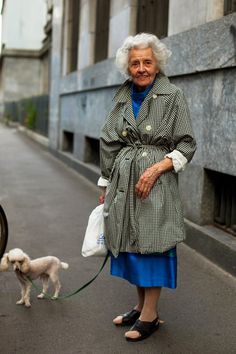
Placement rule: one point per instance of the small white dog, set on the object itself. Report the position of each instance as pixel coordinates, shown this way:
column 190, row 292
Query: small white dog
column 24, row 267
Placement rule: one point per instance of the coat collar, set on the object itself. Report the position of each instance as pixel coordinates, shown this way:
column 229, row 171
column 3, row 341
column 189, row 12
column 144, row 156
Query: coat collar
column 162, row 86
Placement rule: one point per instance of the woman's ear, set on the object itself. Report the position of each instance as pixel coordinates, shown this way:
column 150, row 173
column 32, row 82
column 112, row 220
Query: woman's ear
column 4, row 265
column 25, row 267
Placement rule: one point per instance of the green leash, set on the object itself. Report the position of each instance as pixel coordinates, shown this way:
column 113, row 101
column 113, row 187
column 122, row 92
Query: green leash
column 76, row 291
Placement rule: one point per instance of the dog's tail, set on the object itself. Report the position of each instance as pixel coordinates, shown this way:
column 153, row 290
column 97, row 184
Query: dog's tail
column 64, row 265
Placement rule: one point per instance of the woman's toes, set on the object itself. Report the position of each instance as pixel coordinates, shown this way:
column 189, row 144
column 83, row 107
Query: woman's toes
column 132, row 334
column 118, row 320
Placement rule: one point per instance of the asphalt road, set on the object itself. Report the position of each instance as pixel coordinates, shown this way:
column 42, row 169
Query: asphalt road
column 47, row 205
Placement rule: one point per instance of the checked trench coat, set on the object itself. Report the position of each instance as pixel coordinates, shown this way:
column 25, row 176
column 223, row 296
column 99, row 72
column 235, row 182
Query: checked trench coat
column 128, row 146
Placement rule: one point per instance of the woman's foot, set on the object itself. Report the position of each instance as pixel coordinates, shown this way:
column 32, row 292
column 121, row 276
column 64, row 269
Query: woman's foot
column 141, row 330
column 127, row 319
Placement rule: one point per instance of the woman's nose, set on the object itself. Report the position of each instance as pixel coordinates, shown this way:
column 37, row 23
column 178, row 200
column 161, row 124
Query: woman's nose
column 141, row 67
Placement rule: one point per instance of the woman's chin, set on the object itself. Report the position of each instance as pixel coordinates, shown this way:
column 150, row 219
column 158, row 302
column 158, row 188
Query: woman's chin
column 142, row 84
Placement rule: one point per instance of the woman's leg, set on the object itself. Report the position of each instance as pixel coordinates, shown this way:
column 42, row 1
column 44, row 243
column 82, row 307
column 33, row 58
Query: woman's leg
column 151, row 298
column 149, row 310
column 141, row 296
column 138, row 307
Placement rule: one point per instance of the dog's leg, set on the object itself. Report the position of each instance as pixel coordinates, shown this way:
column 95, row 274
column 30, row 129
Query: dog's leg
column 27, row 295
column 57, row 285
column 23, row 289
column 45, row 280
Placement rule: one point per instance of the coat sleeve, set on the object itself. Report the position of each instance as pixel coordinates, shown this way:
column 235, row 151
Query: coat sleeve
column 110, row 145
column 183, row 136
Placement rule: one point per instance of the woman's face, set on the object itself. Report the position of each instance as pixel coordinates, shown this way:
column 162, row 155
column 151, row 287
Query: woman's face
column 142, row 67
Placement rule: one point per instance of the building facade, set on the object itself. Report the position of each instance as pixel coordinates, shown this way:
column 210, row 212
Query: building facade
column 22, row 38
column 83, row 79
column 24, row 62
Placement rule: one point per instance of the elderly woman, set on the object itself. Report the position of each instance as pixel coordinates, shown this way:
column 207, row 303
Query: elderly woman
column 147, row 138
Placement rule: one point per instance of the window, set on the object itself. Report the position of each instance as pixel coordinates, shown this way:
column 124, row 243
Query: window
column 229, row 6
column 225, row 202
column 71, row 34
column 102, row 30
column 92, row 151
column 68, row 142
column 152, row 17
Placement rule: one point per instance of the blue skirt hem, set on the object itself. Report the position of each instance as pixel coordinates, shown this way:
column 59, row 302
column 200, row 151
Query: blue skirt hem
column 154, row 270
column 162, row 283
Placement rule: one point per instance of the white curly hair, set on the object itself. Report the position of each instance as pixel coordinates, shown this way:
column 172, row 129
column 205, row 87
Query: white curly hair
column 142, row 40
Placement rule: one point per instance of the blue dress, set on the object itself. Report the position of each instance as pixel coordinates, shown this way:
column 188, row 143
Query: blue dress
column 146, row 270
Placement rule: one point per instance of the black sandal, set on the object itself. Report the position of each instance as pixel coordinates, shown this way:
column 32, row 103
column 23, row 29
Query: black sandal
column 144, row 328
column 129, row 318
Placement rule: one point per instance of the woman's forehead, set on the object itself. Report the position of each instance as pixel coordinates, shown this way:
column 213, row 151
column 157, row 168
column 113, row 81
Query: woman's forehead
column 141, row 53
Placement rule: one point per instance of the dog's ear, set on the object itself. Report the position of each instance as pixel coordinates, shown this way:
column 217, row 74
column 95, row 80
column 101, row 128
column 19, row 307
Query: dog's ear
column 25, row 267
column 4, row 265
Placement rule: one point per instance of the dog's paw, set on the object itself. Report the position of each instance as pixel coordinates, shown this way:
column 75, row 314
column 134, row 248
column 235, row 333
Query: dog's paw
column 54, row 297
column 41, row 296
column 28, row 305
column 20, row 302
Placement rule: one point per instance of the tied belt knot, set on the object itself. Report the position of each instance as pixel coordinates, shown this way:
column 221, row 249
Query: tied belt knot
column 138, row 145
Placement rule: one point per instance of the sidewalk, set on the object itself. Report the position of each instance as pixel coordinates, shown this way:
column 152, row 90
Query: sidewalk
column 47, row 205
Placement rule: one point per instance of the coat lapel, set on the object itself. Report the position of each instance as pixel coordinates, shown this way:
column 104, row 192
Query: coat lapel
column 129, row 114
column 123, row 95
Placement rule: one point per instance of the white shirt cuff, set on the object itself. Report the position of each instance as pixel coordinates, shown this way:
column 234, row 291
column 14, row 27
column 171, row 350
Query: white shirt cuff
column 102, row 182
column 178, row 159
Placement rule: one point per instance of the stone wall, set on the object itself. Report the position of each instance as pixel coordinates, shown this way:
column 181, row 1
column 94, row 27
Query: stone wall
column 122, row 23
column 20, row 77
column 187, row 14
column 213, row 112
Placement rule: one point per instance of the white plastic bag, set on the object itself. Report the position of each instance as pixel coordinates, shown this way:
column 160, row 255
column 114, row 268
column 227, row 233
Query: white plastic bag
column 94, row 241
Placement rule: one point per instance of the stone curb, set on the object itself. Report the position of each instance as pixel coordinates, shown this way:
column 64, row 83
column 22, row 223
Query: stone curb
column 213, row 243
column 35, row 136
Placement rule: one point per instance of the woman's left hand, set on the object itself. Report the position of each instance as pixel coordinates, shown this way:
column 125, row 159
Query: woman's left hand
column 146, row 182
column 150, row 176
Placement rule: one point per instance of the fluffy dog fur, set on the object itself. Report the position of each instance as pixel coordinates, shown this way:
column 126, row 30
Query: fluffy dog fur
column 45, row 268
